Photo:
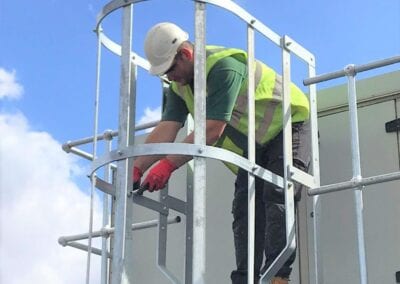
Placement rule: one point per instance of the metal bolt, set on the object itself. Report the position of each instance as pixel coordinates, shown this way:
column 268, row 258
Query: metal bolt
column 120, row 152
column 350, row 70
column 108, row 134
column 312, row 214
column 67, row 147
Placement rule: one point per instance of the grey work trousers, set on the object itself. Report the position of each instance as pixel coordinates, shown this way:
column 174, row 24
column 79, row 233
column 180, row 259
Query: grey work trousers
column 270, row 235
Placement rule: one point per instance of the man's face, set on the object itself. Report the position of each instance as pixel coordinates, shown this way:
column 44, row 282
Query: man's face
column 181, row 70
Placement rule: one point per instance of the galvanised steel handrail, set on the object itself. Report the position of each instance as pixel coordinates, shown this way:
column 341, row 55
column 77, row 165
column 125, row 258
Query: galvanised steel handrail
column 357, row 182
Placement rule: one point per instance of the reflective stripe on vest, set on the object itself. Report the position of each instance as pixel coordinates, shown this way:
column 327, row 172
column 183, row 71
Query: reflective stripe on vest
column 268, row 96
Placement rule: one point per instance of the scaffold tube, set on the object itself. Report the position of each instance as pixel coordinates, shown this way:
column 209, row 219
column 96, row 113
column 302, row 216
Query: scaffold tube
column 357, row 69
column 106, row 231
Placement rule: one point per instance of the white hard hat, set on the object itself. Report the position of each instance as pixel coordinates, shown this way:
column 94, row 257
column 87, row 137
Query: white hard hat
column 161, row 44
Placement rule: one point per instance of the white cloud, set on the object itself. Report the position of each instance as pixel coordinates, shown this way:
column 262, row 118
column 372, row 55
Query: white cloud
column 39, row 202
column 9, row 87
column 150, row 115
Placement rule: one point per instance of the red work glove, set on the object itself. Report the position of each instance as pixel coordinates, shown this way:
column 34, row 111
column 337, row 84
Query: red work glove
column 136, row 175
column 158, row 176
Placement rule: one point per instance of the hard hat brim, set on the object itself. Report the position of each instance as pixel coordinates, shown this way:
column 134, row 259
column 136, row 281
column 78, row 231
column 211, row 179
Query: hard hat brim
column 162, row 68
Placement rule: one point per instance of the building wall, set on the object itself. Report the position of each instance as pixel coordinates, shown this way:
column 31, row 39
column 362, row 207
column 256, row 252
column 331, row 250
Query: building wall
column 379, row 154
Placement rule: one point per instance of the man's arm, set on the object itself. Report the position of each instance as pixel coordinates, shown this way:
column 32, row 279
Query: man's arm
column 165, row 131
column 159, row 174
column 214, row 130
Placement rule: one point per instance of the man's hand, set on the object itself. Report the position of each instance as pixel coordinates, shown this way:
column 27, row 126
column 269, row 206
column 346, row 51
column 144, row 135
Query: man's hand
column 136, row 175
column 158, row 176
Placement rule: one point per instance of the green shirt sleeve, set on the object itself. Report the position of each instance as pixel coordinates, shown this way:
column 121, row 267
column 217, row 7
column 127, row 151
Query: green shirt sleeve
column 224, row 82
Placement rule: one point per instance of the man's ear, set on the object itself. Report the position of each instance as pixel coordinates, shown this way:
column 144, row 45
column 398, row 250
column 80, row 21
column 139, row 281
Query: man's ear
column 187, row 53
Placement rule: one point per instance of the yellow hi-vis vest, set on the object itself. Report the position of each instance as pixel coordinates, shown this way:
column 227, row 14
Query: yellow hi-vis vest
column 268, row 101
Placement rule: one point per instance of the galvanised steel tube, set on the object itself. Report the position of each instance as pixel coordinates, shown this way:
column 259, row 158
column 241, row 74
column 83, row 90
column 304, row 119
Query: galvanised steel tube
column 356, row 163
column 199, row 194
column 356, row 68
column 106, row 220
column 106, row 231
column 93, row 176
column 354, row 183
column 68, row 145
column 315, row 261
column 251, row 198
column 84, row 248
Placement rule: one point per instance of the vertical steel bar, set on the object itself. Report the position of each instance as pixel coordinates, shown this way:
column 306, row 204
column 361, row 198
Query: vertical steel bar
column 162, row 221
column 95, row 130
column 122, row 260
column 315, row 259
column 106, row 221
column 112, row 223
column 162, row 240
column 199, row 196
column 189, row 215
column 287, row 164
column 356, row 163
column 251, row 155
column 288, row 156
column 287, row 152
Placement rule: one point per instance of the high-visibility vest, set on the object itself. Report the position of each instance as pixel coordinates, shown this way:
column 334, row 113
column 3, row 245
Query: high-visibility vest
column 268, row 101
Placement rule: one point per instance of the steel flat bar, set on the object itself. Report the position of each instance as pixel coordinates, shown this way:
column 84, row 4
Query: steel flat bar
column 298, row 50
column 314, row 208
column 251, row 150
column 199, row 176
column 246, row 17
column 162, row 241
column 104, row 186
column 112, row 6
column 122, row 258
column 150, row 203
column 189, row 150
column 116, row 49
column 288, row 188
column 176, row 204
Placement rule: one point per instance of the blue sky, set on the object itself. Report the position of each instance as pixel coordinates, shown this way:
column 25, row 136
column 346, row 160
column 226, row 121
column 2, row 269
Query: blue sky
column 52, row 49
column 47, row 89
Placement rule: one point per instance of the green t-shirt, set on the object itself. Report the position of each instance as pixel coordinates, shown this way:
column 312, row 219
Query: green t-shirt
column 223, row 85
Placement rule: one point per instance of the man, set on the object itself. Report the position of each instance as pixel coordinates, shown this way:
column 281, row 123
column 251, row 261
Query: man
column 170, row 53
